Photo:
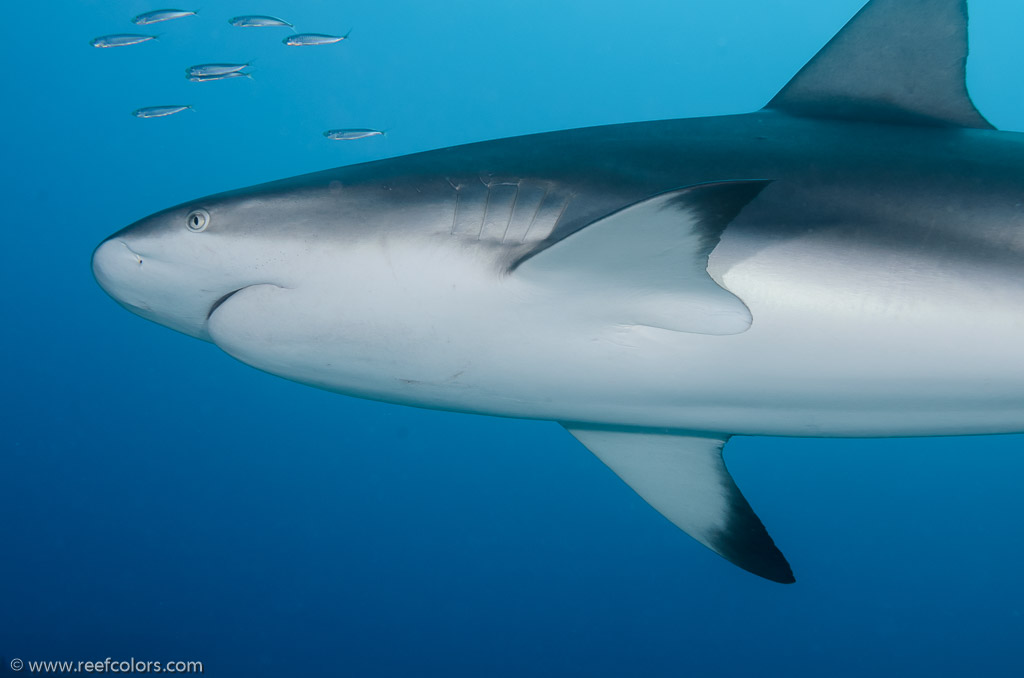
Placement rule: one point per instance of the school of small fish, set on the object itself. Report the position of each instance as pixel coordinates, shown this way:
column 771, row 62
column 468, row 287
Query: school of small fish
column 156, row 16
column 352, row 134
column 219, row 76
column 159, row 111
column 204, row 70
column 300, row 39
column 121, row 40
column 224, row 71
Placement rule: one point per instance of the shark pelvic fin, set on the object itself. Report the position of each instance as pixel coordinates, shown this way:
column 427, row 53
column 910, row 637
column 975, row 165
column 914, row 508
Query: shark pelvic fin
column 652, row 258
column 684, row 477
column 896, row 61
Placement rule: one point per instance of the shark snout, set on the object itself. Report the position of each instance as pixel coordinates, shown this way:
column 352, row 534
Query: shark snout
column 152, row 287
column 115, row 266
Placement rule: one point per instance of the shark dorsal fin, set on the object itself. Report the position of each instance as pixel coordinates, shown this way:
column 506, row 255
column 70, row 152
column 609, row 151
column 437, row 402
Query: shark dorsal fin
column 897, row 61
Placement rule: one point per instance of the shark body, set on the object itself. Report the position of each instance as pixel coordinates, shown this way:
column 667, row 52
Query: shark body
column 845, row 262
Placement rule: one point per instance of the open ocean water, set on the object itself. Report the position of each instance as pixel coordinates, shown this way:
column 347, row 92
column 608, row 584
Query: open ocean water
column 160, row 501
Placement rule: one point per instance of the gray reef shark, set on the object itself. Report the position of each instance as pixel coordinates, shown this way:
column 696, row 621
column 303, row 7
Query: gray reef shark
column 846, row 262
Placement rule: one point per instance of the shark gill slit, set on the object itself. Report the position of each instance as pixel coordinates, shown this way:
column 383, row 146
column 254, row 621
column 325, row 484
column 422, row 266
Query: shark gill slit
column 561, row 213
column 512, row 210
column 455, row 212
column 536, row 212
column 487, row 207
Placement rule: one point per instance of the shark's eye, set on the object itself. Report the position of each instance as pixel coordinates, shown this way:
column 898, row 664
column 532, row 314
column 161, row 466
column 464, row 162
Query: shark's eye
column 197, row 220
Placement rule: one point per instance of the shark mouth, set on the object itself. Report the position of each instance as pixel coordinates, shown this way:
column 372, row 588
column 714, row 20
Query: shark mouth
column 220, row 302
column 217, row 304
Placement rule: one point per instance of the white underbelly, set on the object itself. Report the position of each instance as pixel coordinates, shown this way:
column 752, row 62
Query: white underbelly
column 833, row 350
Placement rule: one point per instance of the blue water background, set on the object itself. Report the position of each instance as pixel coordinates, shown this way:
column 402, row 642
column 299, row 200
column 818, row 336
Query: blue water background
column 159, row 500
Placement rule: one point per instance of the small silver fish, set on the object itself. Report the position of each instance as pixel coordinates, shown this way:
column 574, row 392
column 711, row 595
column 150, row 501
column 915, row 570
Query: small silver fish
column 219, row 76
column 350, row 134
column 159, row 111
column 257, row 21
column 121, row 40
column 204, row 70
column 303, row 39
column 158, row 15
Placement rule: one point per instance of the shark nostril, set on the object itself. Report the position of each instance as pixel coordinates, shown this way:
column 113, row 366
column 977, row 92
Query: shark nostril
column 135, row 255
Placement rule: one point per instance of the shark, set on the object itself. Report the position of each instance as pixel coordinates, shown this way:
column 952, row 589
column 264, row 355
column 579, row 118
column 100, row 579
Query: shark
column 845, row 262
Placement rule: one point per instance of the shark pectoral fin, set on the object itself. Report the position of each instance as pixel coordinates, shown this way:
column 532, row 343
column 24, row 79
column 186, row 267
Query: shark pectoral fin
column 901, row 61
column 685, row 479
column 647, row 264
